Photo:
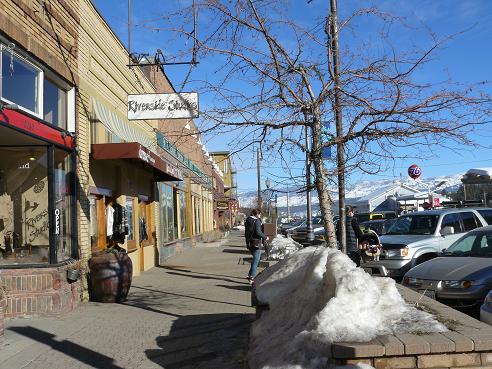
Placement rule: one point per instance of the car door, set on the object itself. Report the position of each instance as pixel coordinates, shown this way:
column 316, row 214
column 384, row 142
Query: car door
column 450, row 220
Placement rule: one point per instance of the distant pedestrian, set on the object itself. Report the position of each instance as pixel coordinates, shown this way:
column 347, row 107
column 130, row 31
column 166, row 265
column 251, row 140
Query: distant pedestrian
column 353, row 235
column 255, row 239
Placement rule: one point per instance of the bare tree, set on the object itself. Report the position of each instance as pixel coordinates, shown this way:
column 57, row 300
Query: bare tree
column 273, row 75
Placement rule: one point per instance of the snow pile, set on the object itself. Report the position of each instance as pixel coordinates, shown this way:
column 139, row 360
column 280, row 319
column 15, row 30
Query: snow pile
column 318, row 296
column 238, row 228
column 280, row 247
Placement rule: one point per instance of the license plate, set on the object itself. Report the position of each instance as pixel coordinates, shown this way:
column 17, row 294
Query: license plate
column 428, row 293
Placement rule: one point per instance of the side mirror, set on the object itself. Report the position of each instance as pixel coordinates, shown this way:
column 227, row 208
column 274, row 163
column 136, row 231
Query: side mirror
column 447, row 230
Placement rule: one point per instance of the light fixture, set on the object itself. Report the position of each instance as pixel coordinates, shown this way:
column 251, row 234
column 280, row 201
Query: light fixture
column 31, row 156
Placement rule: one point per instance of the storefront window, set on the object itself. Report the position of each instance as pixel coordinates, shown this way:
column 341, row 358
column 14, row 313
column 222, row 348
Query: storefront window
column 129, row 214
column 63, row 205
column 170, row 215
column 24, row 215
column 182, row 205
column 20, row 82
column 163, row 212
column 55, row 104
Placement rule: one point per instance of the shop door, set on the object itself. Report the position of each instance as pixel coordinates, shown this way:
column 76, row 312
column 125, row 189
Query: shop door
column 145, row 227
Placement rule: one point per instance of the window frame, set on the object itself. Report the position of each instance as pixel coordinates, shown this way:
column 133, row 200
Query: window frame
column 40, row 87
column 69, row 124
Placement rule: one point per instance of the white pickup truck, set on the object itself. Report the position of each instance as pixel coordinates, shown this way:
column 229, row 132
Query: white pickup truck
column 420, row 236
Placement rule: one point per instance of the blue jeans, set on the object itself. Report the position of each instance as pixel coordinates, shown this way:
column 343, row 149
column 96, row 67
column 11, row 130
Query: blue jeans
column 254, row 264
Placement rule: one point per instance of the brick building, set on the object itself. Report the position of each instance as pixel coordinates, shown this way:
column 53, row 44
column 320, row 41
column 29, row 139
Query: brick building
column 69, row 156
column 38, row 224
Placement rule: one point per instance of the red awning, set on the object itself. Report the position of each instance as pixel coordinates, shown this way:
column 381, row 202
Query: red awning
column 163, row 171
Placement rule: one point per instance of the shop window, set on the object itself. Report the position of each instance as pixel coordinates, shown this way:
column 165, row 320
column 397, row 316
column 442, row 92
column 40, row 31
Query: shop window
column 63, row 175
column 20, row 83
column 24, row 214
column 163, row 213
column 130, row 217
column 176, row 204
column 182, row 205
column 170, row 213
column 55, row 104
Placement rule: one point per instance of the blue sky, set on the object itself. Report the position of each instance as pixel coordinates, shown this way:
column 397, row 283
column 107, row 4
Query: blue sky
column 466, row 58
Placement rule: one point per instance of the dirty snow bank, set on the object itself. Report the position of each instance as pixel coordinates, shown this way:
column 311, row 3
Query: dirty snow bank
column 281, row 246
column 318, row 296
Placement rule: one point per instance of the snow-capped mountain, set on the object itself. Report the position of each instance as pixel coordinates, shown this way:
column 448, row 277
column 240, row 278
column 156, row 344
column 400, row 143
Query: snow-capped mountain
column 297, row 199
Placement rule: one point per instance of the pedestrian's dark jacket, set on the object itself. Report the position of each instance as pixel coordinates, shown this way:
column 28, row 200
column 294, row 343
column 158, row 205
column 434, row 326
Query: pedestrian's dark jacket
column 352, row 232
column 252, row 229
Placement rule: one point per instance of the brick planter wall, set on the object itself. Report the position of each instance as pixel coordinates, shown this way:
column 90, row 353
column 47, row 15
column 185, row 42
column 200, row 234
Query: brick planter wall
column 39, row 292
column 467, row 344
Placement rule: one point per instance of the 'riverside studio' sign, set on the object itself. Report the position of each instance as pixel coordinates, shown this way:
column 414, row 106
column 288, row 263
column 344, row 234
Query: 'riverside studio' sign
column 163, row 106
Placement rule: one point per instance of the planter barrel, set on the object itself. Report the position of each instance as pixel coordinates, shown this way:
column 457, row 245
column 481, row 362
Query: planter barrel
column 110, row 277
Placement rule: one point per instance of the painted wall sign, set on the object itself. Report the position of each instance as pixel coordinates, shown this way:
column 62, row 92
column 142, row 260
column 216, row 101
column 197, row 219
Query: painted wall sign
column 145, row 155
column 163, row 106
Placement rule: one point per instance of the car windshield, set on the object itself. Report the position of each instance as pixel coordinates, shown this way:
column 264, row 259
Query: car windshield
column 414, row 224
column 472, row 244
column 375, row 226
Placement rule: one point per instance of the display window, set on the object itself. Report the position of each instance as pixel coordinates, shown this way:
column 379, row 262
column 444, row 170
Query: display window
column 36, row 204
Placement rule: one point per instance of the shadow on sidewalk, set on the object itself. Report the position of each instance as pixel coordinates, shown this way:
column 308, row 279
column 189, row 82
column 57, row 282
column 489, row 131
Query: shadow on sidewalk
column 80, row 353
column 191, row 271
column 233, row 251
column 204, row 341
column 204, row 277
column 240, row 288
column 186, row 296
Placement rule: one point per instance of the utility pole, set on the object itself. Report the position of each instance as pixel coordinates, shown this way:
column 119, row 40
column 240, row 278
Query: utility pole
column 332, row 31
column 258, row 173
column 288, row 208
column 309, row 218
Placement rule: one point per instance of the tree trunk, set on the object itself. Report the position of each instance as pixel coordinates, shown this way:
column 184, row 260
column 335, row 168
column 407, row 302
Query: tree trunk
column 325, row 201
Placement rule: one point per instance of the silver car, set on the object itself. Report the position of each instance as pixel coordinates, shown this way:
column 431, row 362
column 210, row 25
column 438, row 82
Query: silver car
column 461, row 276
column 486, row 309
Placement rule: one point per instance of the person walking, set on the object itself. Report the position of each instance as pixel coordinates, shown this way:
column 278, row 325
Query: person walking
column 353, row 235
column 255, row 239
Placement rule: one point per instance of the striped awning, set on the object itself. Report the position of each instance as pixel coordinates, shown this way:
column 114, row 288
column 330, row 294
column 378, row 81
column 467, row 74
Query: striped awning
column 121, row 127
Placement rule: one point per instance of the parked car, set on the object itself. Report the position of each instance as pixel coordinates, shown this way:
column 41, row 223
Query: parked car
column 379, row 226
column 364, row 217
column 300, row 233
column 420, row 236
column 486, row 309
column 461, row 276
column 289, row 227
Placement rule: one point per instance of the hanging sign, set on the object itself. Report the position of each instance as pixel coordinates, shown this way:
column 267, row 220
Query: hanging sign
column 222, row 205
column 163, row 106
column 326, row 153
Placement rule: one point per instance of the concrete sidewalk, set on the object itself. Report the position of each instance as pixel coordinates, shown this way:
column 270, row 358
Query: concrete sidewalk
column 193, row 312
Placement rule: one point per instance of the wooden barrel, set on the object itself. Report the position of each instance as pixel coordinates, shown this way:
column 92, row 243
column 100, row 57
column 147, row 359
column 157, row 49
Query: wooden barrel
column 110, row 277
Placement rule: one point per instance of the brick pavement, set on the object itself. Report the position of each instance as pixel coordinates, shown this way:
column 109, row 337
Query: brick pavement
column 193, row 312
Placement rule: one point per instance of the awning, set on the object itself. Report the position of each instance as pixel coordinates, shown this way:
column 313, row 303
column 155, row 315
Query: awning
column 120, row 126
column 134, row 151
